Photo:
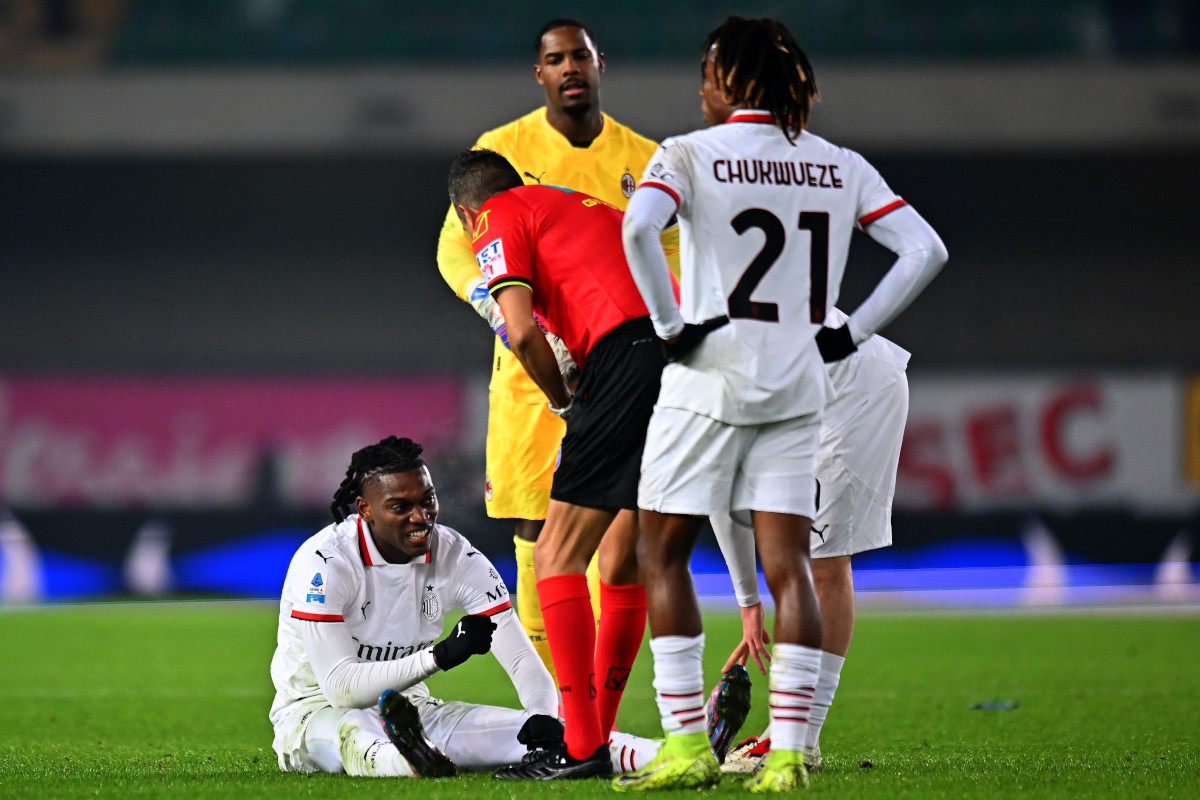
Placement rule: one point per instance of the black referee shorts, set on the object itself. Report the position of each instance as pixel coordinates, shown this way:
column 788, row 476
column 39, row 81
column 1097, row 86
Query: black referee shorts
column 606, row 431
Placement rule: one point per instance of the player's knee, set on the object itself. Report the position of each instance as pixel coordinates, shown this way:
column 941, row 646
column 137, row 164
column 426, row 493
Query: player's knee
column 528, row 529
column 831, row 574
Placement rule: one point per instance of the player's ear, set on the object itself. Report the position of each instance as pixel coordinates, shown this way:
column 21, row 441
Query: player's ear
column 467, row 217
column 364, row 510
column 600, row 61
column 537, row 73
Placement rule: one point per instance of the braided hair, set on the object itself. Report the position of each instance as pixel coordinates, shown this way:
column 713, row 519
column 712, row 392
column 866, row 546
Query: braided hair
column 759, row 62
column 388, row 457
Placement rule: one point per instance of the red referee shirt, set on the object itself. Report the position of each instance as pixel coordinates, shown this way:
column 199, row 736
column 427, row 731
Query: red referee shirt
column 566, row 247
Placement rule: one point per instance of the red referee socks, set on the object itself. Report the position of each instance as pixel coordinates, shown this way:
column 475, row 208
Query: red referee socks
column 571, row 632
column 622, row 625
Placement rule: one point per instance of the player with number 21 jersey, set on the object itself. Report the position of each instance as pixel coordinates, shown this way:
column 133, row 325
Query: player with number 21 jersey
column 765, row 229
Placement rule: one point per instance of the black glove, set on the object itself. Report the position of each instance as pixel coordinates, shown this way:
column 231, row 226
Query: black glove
column 540, row 732
column 471, row 636
column 691, row 336
column 835, row 343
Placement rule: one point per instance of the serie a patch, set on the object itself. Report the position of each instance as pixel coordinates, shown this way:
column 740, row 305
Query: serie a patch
column 316, row 590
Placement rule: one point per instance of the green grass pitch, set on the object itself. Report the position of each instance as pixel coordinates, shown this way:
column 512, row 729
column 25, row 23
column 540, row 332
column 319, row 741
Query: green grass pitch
column 170, row 700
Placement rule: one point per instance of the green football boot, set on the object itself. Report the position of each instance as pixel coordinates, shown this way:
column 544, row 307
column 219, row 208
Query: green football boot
column 684, row 762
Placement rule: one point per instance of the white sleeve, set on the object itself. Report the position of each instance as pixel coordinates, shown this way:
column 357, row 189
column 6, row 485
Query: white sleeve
column 737, row 547
column 649, row 211
column 347, row 682
column 920, row 256
column 513, row 650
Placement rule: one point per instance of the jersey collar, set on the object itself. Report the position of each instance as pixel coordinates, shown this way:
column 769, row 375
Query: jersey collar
column 752, row 115
column 370, row 553
column 600, row 140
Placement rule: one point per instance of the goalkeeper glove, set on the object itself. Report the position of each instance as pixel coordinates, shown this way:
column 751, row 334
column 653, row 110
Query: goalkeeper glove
column 471, row 636
column 835, row 343
column 690, row 337
column 540, row 732
column 482, row 301
column 566, row 365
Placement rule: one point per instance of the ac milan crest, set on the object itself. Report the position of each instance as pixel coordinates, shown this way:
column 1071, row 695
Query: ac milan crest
column 429, row 604
column 628, row 184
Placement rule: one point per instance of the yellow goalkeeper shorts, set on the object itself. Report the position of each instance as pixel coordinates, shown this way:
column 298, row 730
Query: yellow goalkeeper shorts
column 522, row 451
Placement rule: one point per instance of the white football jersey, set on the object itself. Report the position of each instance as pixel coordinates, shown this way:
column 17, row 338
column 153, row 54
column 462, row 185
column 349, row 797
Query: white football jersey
column 765, row 229
column 841, row 373
column 392, row 611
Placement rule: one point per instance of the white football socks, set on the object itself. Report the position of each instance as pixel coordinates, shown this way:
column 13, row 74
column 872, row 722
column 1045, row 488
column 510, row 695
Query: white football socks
column 793, row 684
column 679, row 682
column 827, row 683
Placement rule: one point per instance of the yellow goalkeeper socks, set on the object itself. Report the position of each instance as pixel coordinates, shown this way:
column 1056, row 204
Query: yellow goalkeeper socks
column 593, row 581
column 528, row 608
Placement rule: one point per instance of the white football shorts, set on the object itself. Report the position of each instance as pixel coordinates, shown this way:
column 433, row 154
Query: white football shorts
column 694, row 464
column 859, row 451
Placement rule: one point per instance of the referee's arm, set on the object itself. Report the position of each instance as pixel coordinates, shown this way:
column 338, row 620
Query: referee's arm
column 528, row 343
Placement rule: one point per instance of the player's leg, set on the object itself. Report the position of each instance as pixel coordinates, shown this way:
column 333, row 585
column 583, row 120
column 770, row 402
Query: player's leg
column 352, row 741
column 623, row 615
column 687, row 473
column 476, row 737
column 857, row 461
column 674, row 615
column 782, row 458
column 835, row 591
column 677, row 644
column 529, row 609
column 561, row 556
column 522, row 450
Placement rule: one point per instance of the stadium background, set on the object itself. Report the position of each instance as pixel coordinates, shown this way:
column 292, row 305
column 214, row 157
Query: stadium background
column 217, row 231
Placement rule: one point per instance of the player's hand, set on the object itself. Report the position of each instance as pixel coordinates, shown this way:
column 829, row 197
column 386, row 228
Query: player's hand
column 565, row 411
column 754, row 640
column 472, row 636
column 566, row 365
column 483, row 302
column 690, row 337
column 540, row 732
column 835, row 343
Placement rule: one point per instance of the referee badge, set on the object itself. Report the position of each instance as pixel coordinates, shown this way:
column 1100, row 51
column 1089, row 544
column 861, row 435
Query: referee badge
column 628, row 184
column 487, row 487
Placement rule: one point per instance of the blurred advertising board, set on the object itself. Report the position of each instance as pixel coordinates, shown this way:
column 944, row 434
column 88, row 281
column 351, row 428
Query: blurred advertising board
column 1191, row 453
column 204, row 442
column 996, row 442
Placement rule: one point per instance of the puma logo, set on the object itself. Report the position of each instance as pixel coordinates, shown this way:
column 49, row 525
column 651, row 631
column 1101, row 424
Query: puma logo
column 324, row 557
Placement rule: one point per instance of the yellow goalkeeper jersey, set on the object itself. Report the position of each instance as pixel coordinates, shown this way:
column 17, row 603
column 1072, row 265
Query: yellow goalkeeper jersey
column 608, row 169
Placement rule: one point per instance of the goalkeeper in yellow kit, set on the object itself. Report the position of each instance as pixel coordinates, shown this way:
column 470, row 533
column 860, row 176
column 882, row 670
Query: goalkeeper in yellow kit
column 569, row 143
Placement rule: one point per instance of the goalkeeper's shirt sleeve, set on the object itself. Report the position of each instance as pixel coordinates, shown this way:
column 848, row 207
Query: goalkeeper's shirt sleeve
column 455, row 258
column 347, row 682
column 670, row 245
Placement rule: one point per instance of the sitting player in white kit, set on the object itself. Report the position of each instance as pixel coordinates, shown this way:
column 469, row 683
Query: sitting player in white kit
column 363, row 604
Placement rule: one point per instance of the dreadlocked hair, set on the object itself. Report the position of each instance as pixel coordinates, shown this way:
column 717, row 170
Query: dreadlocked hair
column 759, row 63
column 388, row 457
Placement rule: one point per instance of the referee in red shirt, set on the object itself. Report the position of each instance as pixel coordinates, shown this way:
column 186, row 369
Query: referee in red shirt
column 558, row 254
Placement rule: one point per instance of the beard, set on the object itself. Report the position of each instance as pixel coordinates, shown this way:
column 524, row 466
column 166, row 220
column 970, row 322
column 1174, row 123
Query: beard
column 577, row 111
